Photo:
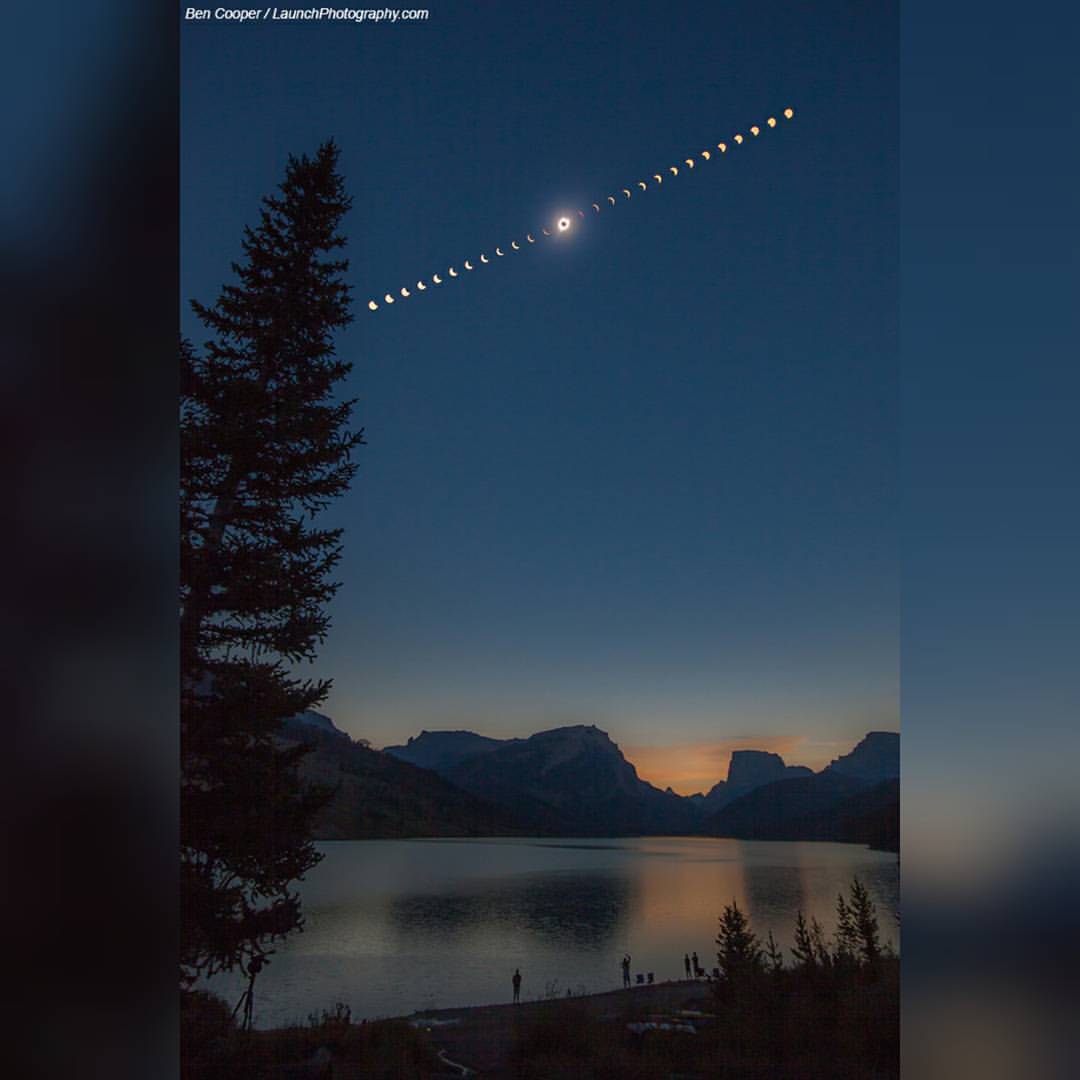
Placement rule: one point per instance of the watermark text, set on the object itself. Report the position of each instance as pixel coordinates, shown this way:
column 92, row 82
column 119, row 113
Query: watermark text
column 315, row 14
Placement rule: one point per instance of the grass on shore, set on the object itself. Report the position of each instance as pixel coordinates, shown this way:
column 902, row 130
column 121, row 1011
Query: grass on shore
column 213, row 1048
column 786, row 1027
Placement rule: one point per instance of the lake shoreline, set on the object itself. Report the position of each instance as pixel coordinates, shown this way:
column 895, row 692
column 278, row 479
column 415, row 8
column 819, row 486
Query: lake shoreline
column 481, row 1037
column 651, row 1028
column 891, row 849
column 653, row 993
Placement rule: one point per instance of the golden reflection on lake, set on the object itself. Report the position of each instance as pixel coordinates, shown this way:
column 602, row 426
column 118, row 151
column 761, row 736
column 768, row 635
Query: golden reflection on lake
column 393, row 926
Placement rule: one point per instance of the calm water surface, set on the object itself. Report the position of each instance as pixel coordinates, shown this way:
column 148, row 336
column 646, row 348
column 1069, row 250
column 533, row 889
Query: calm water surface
column 395, row 926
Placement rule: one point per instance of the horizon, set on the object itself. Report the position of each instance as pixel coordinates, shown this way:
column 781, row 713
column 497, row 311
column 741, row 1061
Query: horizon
column 680, row 766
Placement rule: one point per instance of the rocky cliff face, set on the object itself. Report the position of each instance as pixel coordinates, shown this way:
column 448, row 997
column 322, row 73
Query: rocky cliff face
column 875, row 758
column 574, row 779
column 752, row 768
column 855, row 799
column 749, row 770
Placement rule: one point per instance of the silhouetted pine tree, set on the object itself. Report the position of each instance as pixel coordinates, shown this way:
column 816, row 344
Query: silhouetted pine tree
column 774, row 958
column 264, row 447
column 846, row 939
column 803, row 949
column 821, row 947
column 864, row 915
column 738, row 952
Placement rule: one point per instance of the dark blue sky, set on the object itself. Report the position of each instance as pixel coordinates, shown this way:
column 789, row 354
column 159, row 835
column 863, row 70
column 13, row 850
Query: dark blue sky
column 645, row 478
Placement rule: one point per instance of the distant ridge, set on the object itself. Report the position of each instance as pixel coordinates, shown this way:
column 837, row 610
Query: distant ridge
column 854, row 799
column 379, row 797
column 317, row 720
column 442, row 750
column 825, row 806
column 575, row 781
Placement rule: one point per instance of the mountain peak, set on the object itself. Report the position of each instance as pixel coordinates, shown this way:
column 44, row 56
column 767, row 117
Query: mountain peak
column 752, row 768
column 442, row 750
column 586, row 732
column 574, row 779
column 444, row 734
column 874, row 758
column 317, row 720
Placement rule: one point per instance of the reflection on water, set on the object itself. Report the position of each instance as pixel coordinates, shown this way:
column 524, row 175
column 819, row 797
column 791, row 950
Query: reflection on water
column 399, row 925
column 772, row 891
column 560, row 908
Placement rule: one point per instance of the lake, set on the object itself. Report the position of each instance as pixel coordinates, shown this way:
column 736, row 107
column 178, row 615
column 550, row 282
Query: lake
column 396, row 926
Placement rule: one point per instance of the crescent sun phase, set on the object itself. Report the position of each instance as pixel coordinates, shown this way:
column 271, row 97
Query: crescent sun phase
column 562, row 224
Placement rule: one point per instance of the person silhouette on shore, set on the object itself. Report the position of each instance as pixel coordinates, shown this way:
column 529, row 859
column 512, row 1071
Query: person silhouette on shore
column 626, row 970
column 517, row 986
column 686, row 963
column 697, row 966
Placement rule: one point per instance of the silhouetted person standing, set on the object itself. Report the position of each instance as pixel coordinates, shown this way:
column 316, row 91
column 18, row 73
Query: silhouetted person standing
column 686, row 963
column 626, row 970
column 697, row 966
column 517, row 986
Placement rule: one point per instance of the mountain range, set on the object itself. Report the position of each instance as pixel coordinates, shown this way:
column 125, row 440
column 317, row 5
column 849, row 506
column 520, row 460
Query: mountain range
column 575, row 781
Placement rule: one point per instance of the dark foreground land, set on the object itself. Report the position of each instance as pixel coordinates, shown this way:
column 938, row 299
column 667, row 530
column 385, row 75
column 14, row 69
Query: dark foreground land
column 784, row 1027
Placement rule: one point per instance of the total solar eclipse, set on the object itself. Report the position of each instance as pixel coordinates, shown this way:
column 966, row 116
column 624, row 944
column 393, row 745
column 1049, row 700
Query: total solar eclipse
column 562, row 224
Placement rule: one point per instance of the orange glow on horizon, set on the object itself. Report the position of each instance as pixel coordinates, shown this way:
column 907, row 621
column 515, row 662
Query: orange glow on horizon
column 692, row 767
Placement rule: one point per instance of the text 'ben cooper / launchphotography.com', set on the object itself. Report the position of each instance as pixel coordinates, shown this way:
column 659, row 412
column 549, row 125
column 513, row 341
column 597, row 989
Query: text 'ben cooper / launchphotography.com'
column 315, row 14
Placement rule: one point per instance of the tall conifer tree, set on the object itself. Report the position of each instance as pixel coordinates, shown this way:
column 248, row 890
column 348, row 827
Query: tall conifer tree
column 265, row 446
column 739, row 952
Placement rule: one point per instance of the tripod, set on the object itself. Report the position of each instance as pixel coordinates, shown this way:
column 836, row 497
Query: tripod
column 247, row 998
